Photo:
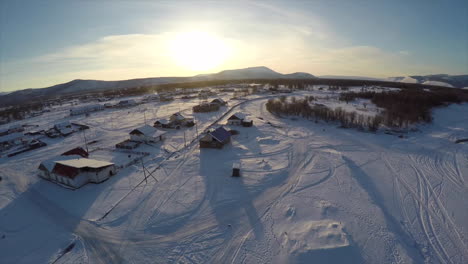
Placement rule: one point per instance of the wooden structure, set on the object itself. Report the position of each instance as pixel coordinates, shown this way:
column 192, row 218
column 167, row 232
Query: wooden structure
column 216, row 138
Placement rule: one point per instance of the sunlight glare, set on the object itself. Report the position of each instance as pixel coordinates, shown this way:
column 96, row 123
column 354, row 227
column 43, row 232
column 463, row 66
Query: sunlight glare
column 198, row 51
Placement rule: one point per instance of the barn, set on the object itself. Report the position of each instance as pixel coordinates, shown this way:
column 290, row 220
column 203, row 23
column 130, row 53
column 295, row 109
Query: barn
column 147, row 134
column 75, row 171
column 216, row 138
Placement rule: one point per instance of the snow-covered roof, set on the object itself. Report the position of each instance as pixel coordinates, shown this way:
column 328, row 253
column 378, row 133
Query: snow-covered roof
column 220, row 134
column 162, row 121
column 84, row 163
column 66, row 131
column 238, row 115
column 148, row 130
column 50, row 163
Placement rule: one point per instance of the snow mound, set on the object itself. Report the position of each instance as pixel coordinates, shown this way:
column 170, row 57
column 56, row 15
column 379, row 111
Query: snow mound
column 438, row 83
column 322, row 241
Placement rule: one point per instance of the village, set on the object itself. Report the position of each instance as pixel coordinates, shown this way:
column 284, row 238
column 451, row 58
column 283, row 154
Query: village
column 186, row 162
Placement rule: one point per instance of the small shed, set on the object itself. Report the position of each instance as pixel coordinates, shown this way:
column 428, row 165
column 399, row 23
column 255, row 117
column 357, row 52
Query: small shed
column 147, row 133
column 236, row 167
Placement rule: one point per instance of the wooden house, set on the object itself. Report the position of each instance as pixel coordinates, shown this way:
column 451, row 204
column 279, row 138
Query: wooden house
column 147, row 134
column 216, row 138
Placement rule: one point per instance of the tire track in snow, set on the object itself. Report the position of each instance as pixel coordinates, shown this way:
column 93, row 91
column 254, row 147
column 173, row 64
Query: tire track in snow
column 447, row 221
column 424, row 221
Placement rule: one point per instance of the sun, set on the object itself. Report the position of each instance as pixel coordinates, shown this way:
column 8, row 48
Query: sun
column 198, row 51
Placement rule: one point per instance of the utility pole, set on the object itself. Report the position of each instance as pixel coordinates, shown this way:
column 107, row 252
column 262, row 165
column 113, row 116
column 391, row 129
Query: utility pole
column 86, row 142
column 185, row 141
column 144, row 170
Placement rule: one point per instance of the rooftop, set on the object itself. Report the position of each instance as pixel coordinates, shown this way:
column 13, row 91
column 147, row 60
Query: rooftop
column 84, row 163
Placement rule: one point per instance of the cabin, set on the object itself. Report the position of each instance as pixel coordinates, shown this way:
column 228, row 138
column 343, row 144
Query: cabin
column 86, row 109
column 76, row 151
column 240, row 119
column 75, row 171
column 216, row 138
column 147, row 134
column 219, row 102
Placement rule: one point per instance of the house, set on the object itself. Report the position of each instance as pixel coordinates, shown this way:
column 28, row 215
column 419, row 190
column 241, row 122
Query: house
column 147, row 134
column 219, row 101
column 64, row 128
column 77, row 151
column 86, row 109
column 216, row 138
column 177, row 120
column 75, row 171
column 240, row 119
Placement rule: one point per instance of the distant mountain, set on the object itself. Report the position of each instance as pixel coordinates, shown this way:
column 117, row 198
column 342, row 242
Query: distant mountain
column 260, row 72
column 77, row 86
column 457, row 81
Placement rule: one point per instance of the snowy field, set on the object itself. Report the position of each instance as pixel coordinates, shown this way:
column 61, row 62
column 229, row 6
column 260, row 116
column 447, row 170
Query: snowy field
column 309, row 193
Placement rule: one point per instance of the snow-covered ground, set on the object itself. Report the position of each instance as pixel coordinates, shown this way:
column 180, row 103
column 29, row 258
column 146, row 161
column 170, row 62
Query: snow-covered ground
column 309, row 193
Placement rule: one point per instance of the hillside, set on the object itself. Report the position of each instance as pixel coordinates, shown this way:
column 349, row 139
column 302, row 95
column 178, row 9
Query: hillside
column 78, row 86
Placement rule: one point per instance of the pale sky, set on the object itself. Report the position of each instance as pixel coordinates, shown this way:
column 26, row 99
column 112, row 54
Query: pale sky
column 43, row 43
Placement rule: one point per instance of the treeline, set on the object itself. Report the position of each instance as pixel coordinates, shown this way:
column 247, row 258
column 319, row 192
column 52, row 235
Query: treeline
column 19, row 112
column 405, row 107
column 303, row 108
